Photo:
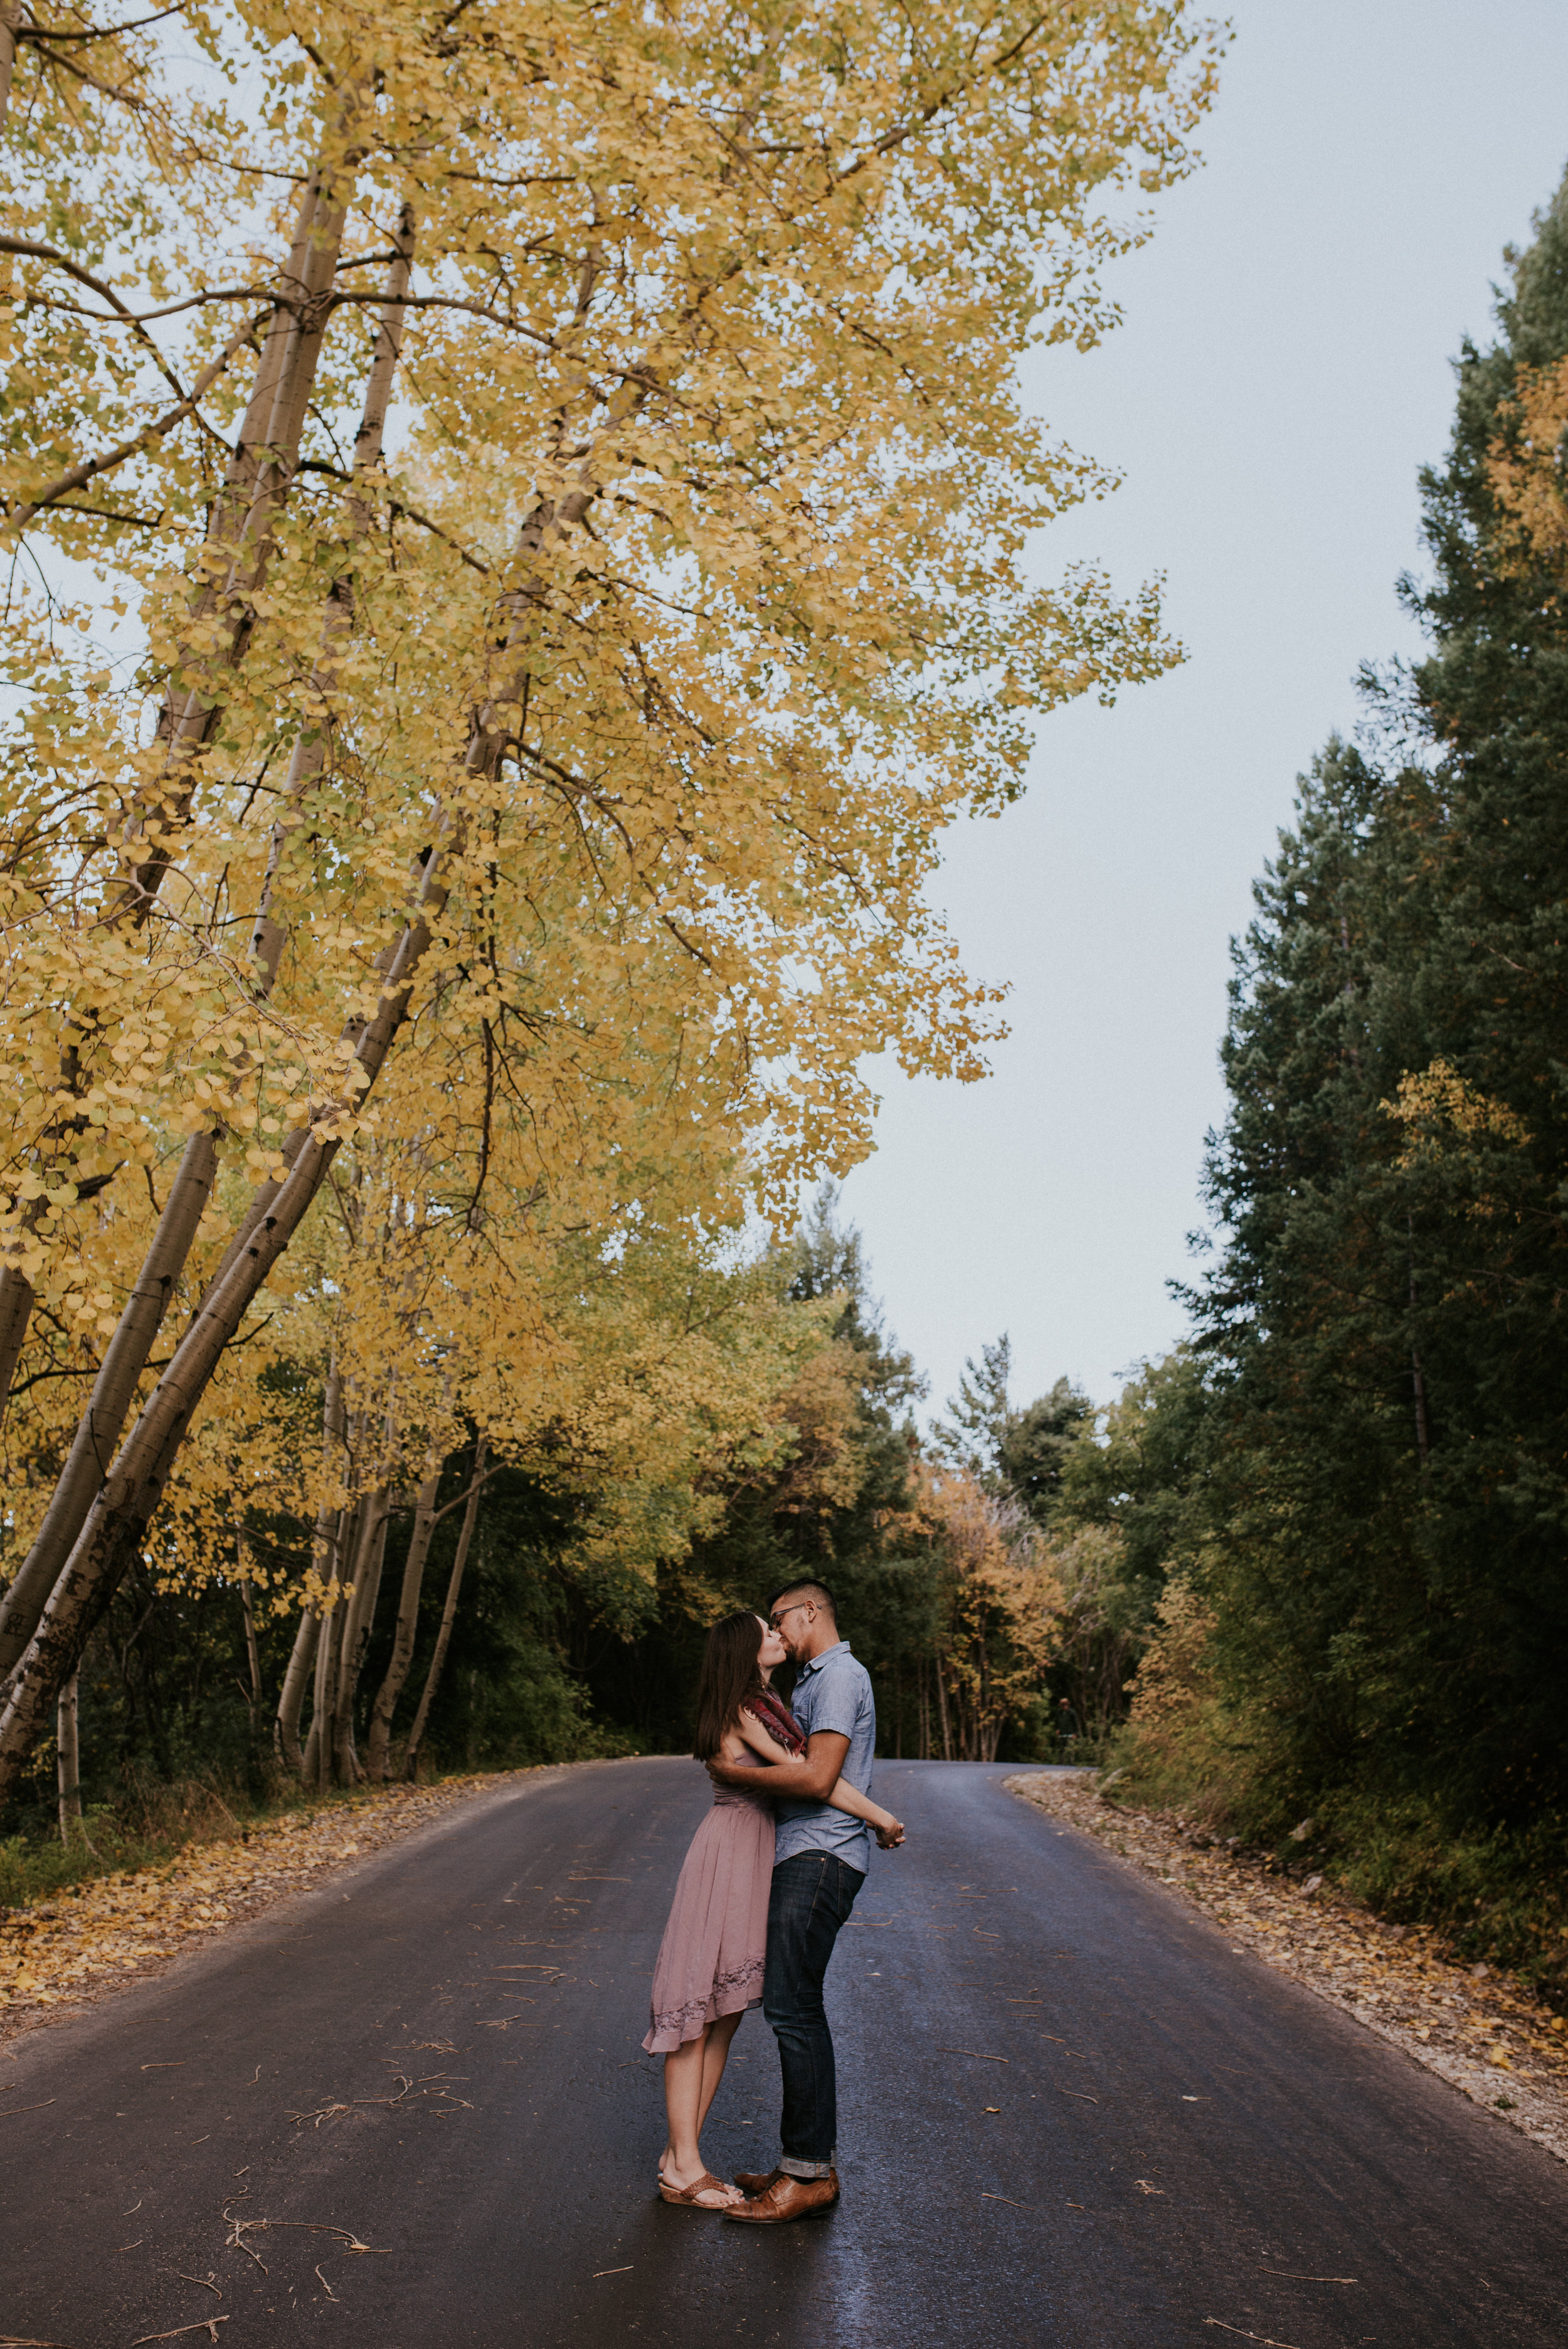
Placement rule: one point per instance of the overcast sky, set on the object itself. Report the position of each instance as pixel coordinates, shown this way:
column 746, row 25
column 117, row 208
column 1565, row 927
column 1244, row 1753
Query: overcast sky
column 1283, row 371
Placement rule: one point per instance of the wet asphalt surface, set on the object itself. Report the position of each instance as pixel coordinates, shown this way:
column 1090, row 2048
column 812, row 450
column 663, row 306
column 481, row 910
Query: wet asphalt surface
column 411, row 2111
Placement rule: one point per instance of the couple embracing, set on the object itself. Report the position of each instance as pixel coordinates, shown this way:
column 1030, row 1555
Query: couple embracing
column 770, row 1880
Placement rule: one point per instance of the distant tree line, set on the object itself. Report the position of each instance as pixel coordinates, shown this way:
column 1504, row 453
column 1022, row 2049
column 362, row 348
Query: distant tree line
column 1363, row 1635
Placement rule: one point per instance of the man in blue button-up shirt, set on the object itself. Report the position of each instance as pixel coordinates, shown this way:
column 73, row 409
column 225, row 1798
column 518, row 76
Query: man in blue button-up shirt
column 820, row 1861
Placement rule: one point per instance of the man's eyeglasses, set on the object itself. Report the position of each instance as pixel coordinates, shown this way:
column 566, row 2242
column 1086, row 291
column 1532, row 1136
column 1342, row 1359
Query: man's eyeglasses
column 774, row 1621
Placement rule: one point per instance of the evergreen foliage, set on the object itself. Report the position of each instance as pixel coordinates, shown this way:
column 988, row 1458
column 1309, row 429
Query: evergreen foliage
column 1377, row 1504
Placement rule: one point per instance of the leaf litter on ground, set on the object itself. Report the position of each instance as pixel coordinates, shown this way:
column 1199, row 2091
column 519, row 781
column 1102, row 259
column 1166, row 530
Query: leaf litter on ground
column 118, row 1929
column 1477, row 2028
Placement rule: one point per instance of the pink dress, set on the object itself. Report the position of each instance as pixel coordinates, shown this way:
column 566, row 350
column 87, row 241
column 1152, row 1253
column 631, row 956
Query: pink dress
column 711, row 1958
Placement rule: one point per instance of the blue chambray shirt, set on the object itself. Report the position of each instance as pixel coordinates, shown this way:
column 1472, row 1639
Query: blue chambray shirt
column 832, row 1692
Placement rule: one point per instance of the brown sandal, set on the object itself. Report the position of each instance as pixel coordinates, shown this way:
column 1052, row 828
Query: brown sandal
column 686, row 2196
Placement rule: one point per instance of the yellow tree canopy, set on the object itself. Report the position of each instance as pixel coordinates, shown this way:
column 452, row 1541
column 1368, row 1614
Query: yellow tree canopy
column 558, row 481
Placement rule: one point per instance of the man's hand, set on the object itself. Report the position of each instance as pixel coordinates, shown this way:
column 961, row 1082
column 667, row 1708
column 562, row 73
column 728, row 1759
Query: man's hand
column 890, row 1837
column 730, row 1773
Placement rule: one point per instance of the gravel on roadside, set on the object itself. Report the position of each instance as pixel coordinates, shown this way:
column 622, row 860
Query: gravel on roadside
column 1478, row 2029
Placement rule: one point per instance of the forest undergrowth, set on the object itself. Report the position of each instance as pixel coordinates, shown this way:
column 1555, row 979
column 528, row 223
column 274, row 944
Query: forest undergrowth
column 1490, row 1893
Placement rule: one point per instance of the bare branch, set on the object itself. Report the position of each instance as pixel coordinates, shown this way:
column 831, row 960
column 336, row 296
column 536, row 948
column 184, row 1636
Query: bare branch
column 91, row 468
column 92, row 32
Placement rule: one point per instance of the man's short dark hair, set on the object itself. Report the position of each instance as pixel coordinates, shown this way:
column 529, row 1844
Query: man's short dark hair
column 808, row 1587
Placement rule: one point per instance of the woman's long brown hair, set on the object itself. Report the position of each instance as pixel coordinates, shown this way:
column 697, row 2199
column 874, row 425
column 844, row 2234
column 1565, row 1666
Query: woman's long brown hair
column 730, row 1678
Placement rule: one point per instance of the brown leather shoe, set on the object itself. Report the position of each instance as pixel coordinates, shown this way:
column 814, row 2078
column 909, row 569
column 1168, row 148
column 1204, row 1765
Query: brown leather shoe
column 755, row 2181
column 788, row 2198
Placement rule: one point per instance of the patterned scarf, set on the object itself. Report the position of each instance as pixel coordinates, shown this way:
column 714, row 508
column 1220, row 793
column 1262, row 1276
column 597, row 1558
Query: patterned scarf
column 779, row 1721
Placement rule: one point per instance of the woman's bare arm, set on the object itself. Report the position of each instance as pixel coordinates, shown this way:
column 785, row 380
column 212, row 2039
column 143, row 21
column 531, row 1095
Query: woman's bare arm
column 844, row 1797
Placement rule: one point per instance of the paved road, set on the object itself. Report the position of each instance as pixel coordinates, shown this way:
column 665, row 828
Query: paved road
column 1070, row 2117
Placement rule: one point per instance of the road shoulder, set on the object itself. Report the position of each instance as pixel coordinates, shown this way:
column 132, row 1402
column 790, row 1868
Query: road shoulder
column 68, row 1953
column 1477, row 2029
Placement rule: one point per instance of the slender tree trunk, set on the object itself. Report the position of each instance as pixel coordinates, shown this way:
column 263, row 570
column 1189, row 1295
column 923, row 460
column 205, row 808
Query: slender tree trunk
column 10, row 25
column 318, row 1745
column 252, row 1653
column 68, row 1762
column 16, row 1312
column 443, row 1636
column 380, row 1744
column 97, row 1429
column 243, row 525
column 311, row 1758
column 324, row 1553
column 941, row 1708
column 290, row 1696
column 317, row 1769
column 356, row 1629
column 311, row 745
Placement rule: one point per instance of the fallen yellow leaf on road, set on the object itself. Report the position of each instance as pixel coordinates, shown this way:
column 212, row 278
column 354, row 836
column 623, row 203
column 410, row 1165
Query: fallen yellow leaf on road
column 114, row 1928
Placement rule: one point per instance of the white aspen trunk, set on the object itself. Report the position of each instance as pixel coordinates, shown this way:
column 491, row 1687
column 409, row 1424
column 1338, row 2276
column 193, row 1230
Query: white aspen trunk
column 356, row 1629
column 310, row 1764
column 244, row 518
column 317, row 1772
column 322, row 1699
column 391, row 1688
column 97, row 1429
column 444, row 1634
column 309, row 755
column 327, row 1759
column 68, row 1762
column 323, row 1552
column 290, row 1696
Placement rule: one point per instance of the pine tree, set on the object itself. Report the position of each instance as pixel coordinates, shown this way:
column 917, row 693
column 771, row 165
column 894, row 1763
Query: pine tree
column 1386, row 1452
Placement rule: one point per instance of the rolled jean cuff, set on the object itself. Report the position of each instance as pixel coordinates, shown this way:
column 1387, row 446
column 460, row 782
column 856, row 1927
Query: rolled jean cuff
column 793, row 2168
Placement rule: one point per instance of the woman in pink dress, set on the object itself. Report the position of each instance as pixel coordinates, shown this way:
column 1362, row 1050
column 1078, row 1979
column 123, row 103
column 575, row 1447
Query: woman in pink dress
column 710, row 1962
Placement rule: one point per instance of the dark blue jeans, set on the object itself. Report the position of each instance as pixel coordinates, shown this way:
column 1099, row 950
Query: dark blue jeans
column 812, row 1895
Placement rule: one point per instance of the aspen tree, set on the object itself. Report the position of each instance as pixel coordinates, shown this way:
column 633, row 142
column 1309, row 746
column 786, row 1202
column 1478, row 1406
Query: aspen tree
column 448, row 1616
column 323, row 1552
column 396, row 1673
column 689, row 610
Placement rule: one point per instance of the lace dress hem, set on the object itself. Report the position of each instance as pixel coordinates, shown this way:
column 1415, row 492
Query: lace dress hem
column 735, row 1993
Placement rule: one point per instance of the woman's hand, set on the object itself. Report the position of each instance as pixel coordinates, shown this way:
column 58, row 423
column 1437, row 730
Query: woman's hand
column 890, row 1836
